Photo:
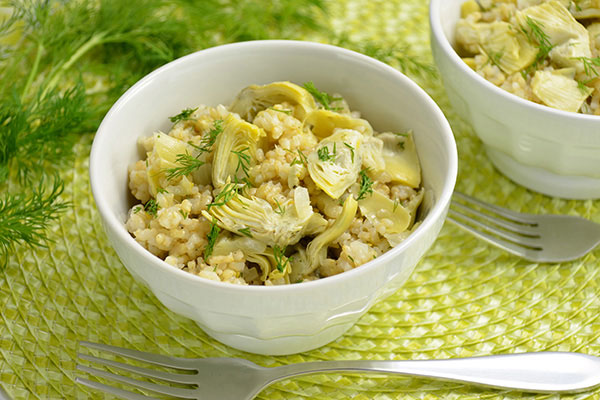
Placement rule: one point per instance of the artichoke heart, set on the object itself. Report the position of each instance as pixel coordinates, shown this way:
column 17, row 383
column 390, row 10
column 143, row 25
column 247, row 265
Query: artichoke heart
column 506, row 47
column 378, row 208
column 557, row 90
column 371, row 150
column 336, row 162
column 236, row 144
column 254, row 251
column 324, row 122
column 582, row 9
column 317, row 248
column 164, row 156
column 568, row 38
column 256, row 217
column 401, row 159
column 255, row 98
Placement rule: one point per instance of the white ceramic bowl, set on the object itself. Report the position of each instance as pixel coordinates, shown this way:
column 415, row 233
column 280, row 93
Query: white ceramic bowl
column 550, row 151
column 284, row 319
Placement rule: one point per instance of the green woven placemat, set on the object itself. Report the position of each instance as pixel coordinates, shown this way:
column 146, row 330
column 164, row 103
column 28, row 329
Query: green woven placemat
column 464, row 298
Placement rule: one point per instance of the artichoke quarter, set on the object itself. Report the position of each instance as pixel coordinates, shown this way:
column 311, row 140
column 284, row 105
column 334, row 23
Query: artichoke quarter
column 258, row 218
column 335, row 163
column 401, row 159
column 323, row 123
column 238, row 139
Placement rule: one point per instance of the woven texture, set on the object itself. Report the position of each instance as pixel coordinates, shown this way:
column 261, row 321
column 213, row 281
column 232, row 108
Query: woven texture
column 465, row 297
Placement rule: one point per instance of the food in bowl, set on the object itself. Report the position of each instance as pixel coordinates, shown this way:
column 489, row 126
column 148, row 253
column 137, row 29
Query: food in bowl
column 284, row 186
column 545, row 51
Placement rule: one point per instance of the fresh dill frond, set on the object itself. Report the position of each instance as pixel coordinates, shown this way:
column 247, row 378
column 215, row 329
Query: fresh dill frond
column 281, row 261
column 535, row 35
column 38, row 136
column 243, row 161
column 184, row 115
column 245, row 232
column 187, row 165
column 287, row 112
column 212, row 236
column 229, row 191
column 279, row 209
column 325, row 99
column 25, row 217
column 152, row 207
column 590, row 65
column 366, row 185
column 300, row 160
column 209, row 139
column 351, row 150
column 324, row 154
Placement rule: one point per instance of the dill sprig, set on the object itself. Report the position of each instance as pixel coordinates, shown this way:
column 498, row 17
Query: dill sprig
column 24, row 218
column 325, row 99
column 300, row 160
column 184, row 115
column 366, row 185
column 245, row 232
column 243, row 161
column 152, row 207
column 535, row 35
column 281, row 261
column 187, row 165
column 209, row 139
column 324, row 154
column 212, row 238
column 351, row 150
column 229, row 191
column 590, row 65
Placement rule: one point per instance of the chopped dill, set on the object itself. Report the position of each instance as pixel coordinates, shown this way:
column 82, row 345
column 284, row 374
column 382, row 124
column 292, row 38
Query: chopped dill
column 210, row 138
column 280, row 259
column 366, row 185
column 287, row 112
column 351, row 258
column 151, row 207
column 301, row 159
column 187, row 165
column 325, row 155
column 245, row 232
column 183, row 214
column 536, row 35
column 589, row 65
column 228, row 192
column 243, row 161
column 138, row 209
column 161, row 190
column 279, row 209
column 325, row 99
column 212, row 238
column 184, row 115
column 396, row 204
column 351, row 150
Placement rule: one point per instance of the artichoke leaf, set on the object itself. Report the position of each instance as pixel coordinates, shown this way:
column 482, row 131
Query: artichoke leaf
column 335, row 163
column 317, row 248
column 163, row 157
column 371, row 151
column 239, row 138
column 258, row 218
column 255, row 98
column 557, row 90
column 323, row 123
column 507, row 48
column 401, row 158
column 378, row 208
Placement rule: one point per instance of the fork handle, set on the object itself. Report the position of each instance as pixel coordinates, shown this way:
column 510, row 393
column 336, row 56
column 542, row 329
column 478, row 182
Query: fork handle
column 543, row 372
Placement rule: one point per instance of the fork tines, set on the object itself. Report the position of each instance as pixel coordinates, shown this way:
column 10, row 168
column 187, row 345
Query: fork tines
column 153, row 359
column 515, row 232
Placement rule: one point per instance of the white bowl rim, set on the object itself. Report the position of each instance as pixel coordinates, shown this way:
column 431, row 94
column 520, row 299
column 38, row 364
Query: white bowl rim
column 118, row 226
column 438, row 33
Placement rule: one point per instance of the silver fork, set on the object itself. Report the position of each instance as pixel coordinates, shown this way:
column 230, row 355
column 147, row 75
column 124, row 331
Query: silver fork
column 233, row 378
column 541, row 238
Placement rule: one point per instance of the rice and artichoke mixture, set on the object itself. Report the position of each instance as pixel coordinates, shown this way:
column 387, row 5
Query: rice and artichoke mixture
column 545, row 51
column 286, row 185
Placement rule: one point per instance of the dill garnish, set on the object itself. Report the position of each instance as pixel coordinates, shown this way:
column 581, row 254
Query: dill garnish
column 184, row 115
column 281, row 261
column 536, row 35
column 325, row 155
column 287, row 112
column 187, row 165
column 151, row 207
column 351, row 150
column 245, row 232
column 323, row 98
column 279, row 209
column 228, row 192
column 366, row 184
column 301, row 159
column 212, row 238
column 243, row 160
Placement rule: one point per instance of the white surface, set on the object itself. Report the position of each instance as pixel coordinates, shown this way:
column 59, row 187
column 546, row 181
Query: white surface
column 285, row 319
column 550, row 151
